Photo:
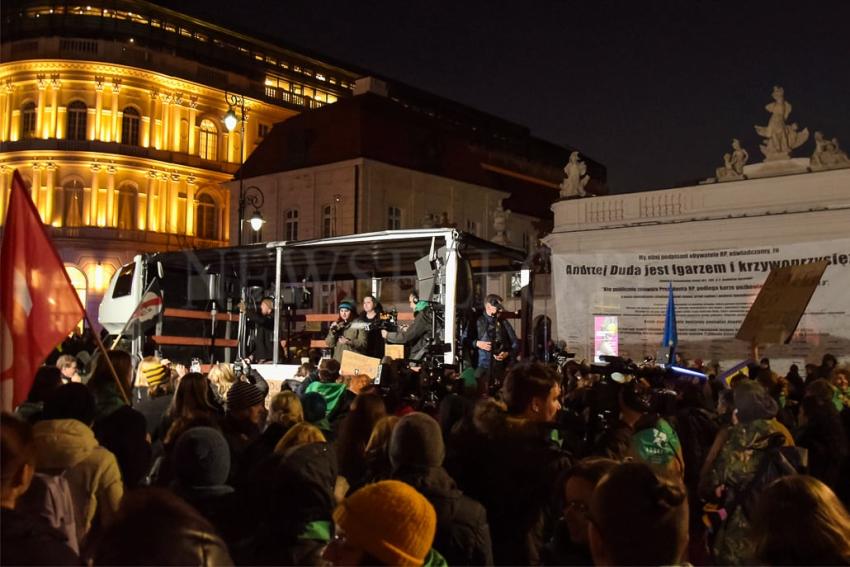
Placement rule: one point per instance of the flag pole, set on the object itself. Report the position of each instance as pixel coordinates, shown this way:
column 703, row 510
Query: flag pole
column 135, row 311
column 105, row 353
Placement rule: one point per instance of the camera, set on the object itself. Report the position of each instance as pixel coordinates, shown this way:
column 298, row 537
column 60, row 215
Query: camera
column 241, row 367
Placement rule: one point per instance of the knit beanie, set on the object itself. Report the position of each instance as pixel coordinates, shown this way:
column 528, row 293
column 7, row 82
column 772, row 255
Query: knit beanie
column 417, row 442
column 753, row 402
column 420, row 305
column 347, row 304
column 390, row 521
column 243, row 395
column 201, row 458
column 154, row 373
column 315, row 407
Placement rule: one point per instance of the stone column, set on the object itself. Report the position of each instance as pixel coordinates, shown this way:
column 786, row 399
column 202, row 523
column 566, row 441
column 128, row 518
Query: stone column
column 115, row 131
column 162, row 193
column 92, row 215
column 191, row 185
column 98, row 107
column 4, row 190
column 111, row 216
column 173, row 202
column 151, row 220
column 176, row 112
column 48, row 194
column 6, row 118
column 39, row 117
column 166, row 130
column 35, row 189
column 54, row 105
column 193, row 117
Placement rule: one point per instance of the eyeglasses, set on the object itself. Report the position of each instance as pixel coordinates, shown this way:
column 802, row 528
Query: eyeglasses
column 578, row 507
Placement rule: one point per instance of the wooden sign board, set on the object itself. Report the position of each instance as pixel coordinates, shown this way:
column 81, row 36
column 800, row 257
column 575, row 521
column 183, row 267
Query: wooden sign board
column 780, row 304
column 356, row 363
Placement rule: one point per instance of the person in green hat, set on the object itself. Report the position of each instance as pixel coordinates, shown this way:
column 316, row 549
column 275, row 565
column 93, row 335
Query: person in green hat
column 342, row 336
column 417, row 337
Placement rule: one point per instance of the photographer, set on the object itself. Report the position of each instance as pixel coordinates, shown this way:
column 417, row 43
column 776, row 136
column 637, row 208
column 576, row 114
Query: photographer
column 496, row 344
column 342, row 336
column 371, row 316
column 417, row 337
column 263, row 321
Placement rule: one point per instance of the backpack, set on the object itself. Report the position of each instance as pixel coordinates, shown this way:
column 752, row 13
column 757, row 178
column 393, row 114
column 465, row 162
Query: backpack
column 49, row 497
column 778, row 461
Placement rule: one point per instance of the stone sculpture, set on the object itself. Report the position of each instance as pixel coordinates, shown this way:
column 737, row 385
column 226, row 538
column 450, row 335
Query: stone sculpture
column 828, row 155
column 780, row 138
column 576, row 178
column 733, row 163
column 500, row 225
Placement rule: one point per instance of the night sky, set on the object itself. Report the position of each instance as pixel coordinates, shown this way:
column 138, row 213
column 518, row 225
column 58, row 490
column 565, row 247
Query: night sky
column 655, row 90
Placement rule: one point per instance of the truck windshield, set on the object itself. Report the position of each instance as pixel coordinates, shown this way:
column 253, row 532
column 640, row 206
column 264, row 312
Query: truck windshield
column 124, row 283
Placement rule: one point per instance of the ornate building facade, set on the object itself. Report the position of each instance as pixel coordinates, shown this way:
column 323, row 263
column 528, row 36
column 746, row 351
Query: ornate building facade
column 112, row 113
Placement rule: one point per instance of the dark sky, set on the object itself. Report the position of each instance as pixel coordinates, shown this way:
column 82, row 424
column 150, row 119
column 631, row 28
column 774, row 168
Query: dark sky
column 655, row 90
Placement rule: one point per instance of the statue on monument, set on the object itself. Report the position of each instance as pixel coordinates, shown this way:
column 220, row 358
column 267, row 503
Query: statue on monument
column 828, row 154
column 576, row 178
column 780, row 138
column 500, row 225
column 733, row 164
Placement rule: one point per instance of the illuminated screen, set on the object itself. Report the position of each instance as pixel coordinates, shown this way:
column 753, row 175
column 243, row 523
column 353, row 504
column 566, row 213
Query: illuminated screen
column 606, row 340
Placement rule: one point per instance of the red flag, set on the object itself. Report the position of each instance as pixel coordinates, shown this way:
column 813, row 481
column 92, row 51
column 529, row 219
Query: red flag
column 38, row 305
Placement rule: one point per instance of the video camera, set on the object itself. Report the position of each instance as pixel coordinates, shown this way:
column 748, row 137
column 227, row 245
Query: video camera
column 385, row 321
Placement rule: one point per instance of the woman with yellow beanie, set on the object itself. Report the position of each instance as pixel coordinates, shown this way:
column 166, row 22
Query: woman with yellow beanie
column 386, row 523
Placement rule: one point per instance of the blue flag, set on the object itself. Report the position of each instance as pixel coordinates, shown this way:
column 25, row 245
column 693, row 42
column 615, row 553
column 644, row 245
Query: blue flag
column 671, row 336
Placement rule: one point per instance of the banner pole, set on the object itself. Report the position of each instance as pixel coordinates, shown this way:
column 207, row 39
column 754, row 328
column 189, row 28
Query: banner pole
column 132, row 315
column 108, row 361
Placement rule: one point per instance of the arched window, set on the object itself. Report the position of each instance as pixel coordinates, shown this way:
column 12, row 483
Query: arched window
column 126, row 210
column 290, row 226
column 328, row 228
column 130, row 126
column 68, row 202
column 76, row 125
column 28, row 119
column 207, row 218
column 208, row 140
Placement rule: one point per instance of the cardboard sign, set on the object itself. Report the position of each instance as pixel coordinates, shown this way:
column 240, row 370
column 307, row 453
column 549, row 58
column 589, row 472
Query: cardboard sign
column 356, row 363
column 396, row 352
column 781, row 303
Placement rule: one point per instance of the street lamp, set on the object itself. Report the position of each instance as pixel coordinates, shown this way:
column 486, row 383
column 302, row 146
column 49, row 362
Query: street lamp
column 231, row 119
column 254, row 197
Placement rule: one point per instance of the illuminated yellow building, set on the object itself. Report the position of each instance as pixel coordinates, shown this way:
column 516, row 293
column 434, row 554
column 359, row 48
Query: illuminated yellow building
column 112, row 112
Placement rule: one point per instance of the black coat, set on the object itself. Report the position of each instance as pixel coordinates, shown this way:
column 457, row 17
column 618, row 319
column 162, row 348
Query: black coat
column 511, row 466
column 264, row 339
column 417, row 337
column 463, row 534
column 124, row 433
column 30, row 540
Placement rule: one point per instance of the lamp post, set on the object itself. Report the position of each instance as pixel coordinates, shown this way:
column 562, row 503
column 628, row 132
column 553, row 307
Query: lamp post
column 230, row 122
column 250, row 196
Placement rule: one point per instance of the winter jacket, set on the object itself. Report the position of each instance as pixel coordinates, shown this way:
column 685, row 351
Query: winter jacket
column 498, row 332
column 463, row 534
column 374, row 340
column 417, row 337
column 357, row 336
column 29, row 540
column 92, row 471
column 124, row 433
column 510, row 465
column 652, row 440
column 264, row 339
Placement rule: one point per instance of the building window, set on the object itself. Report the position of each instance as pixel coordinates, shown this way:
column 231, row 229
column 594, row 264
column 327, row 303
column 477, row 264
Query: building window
column 208, row 141
column 76, row 125
column 263, row 130
column 130, row 127
column 126, row 209
column 291, row 225
column 328, row 221
column 70, row 203
column 393, row 218
column 207, row 217
column 472, row 227
column 28, row 120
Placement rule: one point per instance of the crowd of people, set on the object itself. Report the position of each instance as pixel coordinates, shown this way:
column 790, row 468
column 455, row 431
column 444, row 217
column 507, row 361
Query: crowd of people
column 550, row 464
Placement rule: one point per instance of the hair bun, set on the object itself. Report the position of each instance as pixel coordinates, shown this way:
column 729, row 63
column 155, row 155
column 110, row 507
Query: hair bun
column 668, row 495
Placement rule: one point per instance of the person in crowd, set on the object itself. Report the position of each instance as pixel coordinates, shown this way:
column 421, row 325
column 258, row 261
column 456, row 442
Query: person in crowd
column 160, row 391
column 796, row 384
column 342, row 335
column 354, row 385
column 298, row 435
column 263, row 323
column 26, row 539
column 67, row 365
column 371, row 316
column 290, row 507
column 416, row 454
column 326, row 372
column 639, row 516
column 840, row 378
column 377, row 457
column 822, row 434
column 243, row 422
column 732, row 464
column 140, row 385
column 800, row 521
column 417, row 337
column 201, row 470
column 386, row 523
column 315, row 413
column 222, row 378
column 509, row 441
column 495, row 343
column 66, row 446
column 642, row 434
column 192, row 404
column 285, row 412
column 827, row 365
column 154, row 527
column 570, row 545
column 47, row 379
column 354, row 433
column 117, row 426
column 329, row 385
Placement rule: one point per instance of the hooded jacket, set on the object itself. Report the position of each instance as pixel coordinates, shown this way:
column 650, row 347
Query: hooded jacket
column 29, row 540
column 67, row 446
